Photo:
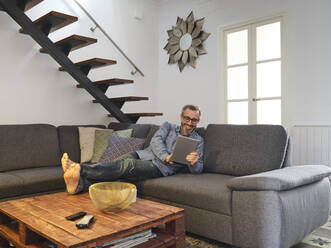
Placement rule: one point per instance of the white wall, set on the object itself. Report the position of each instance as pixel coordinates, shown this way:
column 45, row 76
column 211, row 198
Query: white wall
column 32, row 90
column 307, row 54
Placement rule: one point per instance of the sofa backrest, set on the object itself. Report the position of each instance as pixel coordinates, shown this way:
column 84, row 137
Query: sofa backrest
column 28, row 146
column 142, row 131
column 201, row 131
column 69, row 140
column 150, row 135
column 240, row 150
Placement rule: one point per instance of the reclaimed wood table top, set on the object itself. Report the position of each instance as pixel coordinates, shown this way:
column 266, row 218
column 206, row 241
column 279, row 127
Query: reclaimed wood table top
column 23, row 221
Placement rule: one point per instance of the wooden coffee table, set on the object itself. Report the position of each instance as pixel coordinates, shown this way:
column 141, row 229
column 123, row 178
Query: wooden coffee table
column 27, row 222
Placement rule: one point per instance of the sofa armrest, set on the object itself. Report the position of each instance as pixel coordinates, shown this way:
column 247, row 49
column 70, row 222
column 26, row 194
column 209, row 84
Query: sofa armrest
column 281, row 179
column 268, row 218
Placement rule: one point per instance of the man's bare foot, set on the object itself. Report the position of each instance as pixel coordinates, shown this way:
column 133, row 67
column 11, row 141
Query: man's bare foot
column 71, row 178
column 66, row 162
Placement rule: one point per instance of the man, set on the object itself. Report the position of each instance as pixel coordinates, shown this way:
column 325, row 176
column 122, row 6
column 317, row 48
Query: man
column 154, row 161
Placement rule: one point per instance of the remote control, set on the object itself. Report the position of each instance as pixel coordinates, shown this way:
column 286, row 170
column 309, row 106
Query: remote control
column 75, row 216
column 85, row 222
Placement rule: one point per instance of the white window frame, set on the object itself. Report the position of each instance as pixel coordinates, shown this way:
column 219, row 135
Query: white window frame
column 252, row 65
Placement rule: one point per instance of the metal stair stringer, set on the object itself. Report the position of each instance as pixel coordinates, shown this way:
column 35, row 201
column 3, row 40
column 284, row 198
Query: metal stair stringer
column 24, row 21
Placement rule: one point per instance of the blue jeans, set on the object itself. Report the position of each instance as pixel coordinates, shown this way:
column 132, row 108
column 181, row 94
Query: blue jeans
column 127, row 167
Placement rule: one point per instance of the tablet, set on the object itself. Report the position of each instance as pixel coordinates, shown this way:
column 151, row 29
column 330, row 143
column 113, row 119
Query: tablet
column 184, row 146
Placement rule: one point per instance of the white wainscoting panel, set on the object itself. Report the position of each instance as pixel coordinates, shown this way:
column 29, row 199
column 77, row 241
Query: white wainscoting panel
column 310, row 145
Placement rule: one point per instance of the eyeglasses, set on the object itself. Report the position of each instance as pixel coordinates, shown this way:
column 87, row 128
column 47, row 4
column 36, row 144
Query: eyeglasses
column 193, row 120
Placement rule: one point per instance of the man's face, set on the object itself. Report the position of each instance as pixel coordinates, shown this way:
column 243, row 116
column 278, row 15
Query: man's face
column 189, row 121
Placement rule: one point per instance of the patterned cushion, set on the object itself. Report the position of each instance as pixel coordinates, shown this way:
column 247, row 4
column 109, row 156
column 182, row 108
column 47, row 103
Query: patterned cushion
column 118, row 146
column 86, row 143
column 101, row 141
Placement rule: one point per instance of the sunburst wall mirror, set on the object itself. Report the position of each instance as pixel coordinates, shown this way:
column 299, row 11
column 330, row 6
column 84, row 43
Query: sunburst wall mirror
column 185, row 41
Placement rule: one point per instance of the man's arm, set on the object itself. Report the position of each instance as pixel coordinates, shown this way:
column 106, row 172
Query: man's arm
column 158, row 141
column 198, row 166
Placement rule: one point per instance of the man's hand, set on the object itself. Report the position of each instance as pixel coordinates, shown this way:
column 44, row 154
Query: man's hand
column 168, row 159
column 192, row 158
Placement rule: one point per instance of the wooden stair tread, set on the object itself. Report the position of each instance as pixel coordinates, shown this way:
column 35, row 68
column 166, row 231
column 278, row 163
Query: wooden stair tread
column 140, row 114
column 129, row 98
column 114, row 81
column 126, row 99
column 111, row 82
column 75, row 41
column 57, row 19
column 94, row 63
column 31, row 3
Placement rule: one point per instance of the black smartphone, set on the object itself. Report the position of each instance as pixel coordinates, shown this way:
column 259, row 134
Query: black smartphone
column 76, row 216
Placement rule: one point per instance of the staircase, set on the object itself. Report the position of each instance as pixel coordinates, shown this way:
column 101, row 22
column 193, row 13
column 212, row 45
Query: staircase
column 39, row 31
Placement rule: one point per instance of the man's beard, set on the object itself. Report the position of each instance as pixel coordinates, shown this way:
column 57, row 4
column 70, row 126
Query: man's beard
column 192, row 128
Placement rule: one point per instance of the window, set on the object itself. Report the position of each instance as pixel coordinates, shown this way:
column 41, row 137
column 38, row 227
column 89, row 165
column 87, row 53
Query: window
column 253, row 73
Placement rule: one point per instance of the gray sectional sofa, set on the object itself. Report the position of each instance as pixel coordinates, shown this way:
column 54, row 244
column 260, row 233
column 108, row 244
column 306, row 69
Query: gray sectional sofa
column 247, row 195
column 30, row 158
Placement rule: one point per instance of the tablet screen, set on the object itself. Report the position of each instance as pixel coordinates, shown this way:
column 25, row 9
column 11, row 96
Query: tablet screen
column 183, row 147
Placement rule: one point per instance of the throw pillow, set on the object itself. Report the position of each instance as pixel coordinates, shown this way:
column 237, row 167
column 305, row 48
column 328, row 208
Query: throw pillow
column 86, row 142
column 118, row 146
column 101, row 141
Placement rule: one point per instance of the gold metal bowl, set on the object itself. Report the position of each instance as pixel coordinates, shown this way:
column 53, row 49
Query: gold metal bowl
column 112, row 197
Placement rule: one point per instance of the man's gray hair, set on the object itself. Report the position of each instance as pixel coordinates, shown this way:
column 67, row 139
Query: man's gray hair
column 191, row 107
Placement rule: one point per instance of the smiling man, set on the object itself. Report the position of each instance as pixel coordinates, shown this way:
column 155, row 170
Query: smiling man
column 154, row 161
column 163, row 143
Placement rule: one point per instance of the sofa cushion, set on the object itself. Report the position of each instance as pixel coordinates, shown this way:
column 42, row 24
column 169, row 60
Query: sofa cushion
column 205, row 191
column 86, row 143
column 28, row 146
column 142, row 131
column 69, row 140
column 101, row 141
column 40, row 179
column 139, row 130
column 241, row 150
column 118, row 146
column 10, row 185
